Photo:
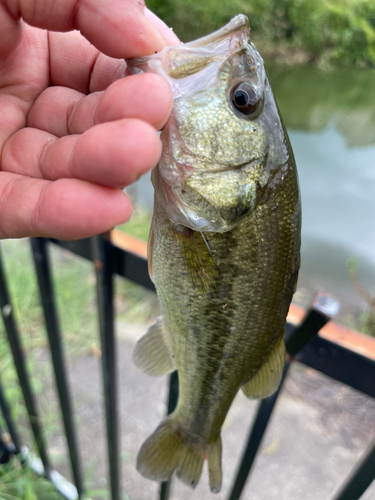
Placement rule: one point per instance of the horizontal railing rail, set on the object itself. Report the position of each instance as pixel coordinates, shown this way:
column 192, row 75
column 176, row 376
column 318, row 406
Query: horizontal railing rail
column 125, row 256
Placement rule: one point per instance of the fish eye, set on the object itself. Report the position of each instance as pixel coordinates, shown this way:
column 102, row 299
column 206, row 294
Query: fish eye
column 245, row 99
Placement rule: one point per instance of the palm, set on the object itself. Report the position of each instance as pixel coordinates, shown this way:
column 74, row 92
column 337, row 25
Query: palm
column 73, row 133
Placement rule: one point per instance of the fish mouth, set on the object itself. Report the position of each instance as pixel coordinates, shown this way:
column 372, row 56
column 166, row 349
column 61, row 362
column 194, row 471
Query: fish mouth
column 239, row 23
column 236, row 30
column 213, row 200
column 190, row 170
column 226, row 168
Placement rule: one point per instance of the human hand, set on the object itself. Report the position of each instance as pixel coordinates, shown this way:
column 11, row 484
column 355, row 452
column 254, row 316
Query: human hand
column 73, row 131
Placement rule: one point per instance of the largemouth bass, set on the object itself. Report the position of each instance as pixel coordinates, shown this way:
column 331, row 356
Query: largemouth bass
column 223, row 247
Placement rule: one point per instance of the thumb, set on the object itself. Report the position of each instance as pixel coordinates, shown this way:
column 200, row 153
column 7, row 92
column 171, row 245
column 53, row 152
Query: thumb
column 162, row 28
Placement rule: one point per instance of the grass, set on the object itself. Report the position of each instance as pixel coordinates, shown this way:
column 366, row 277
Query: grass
column 74, row 281
column 139, row 224
column 18, row 483
column 367, row 319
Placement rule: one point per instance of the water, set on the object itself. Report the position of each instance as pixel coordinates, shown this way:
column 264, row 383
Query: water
column 330, row 118
column 338, row 207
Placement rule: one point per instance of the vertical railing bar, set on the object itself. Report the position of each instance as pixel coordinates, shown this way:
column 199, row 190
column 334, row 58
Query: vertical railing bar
column 20, row 364
column 5, row 410
column 360, row 479
column 173, row 392
column 7, row 450
column 255, row 438
column 165, row 486
column 165, row 490
column 102, row 256
column 4, row 451
column 43, row 272
column 298, row 337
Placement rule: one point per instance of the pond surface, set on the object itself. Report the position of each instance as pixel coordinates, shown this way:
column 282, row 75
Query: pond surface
column 330, row 117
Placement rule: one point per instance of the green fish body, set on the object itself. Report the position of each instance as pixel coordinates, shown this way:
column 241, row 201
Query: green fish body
column 223, row 247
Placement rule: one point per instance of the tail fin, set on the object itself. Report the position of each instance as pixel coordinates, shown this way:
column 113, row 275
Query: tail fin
column 168, row 449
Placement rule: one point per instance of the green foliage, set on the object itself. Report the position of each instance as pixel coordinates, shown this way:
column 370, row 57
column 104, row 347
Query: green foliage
column 73, row 278
column 341, row 31
column 367, row 319
column 134, row 303
column 17, row 483
column 193, row 18
column 352, row 264
column 310, row 99
column 367, row 322
column 139, row 224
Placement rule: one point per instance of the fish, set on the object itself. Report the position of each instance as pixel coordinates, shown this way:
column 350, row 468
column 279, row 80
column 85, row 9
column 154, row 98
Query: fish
column 223, row 249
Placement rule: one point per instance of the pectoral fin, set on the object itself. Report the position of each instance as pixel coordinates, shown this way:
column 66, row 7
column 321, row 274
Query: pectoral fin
column 151, row 353
column 198, row 258
column 267, row 380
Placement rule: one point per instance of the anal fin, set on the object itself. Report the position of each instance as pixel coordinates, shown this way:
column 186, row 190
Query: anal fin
column 214, row 465
column 151, row 353
column 267, row 379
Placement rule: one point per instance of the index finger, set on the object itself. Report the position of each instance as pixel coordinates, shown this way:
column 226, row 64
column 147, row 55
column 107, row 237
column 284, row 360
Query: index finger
column 117, row 28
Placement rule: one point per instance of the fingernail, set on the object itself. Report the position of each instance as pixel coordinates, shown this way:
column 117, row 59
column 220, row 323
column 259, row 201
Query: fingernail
column 168, row 35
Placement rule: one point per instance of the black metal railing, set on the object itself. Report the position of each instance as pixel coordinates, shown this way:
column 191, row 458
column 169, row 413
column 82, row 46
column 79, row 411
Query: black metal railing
column 302, row 343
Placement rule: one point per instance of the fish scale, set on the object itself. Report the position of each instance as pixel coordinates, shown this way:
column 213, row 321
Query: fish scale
column 223, row 249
